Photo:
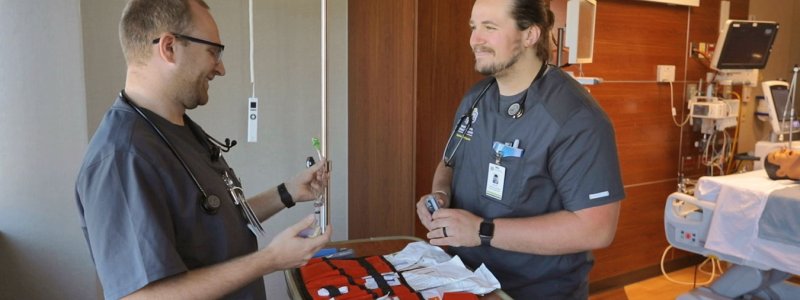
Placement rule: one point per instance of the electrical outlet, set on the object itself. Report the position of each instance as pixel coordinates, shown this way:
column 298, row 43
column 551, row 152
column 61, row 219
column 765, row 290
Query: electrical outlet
column 665, row 73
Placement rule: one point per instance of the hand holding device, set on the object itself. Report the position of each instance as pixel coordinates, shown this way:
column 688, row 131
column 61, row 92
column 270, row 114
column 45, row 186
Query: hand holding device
column 288, row 250
column 431, row 204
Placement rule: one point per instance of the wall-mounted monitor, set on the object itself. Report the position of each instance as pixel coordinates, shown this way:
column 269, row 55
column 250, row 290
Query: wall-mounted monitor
column 776, row 93
column 744, row 45
column 579, row 25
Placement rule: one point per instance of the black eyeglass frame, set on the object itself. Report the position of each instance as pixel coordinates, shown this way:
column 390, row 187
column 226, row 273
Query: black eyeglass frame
column 197, row 40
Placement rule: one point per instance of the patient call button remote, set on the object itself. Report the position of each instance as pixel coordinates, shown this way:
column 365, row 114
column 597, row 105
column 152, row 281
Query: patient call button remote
column 252, row 120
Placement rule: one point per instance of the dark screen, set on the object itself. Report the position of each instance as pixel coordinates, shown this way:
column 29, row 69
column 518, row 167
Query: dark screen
column 780, row 95
column 747, row 45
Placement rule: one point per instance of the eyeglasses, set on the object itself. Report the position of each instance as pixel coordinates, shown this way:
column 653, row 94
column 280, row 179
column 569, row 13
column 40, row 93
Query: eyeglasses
column 219, row 48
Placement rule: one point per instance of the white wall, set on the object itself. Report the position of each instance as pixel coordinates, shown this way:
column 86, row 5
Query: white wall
column 43, row 254
column 50, row 111
column 785, row 54
column 785, row 51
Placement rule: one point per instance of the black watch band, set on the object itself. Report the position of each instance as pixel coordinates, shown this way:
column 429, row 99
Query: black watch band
column 286, row 198
column 486, row 232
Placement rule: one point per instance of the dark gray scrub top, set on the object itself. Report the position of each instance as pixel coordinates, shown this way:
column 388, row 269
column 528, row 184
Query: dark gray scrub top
column 570, row 163
column 141, row 212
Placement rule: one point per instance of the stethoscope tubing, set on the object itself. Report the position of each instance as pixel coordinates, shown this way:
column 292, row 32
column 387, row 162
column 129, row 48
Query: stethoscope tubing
column 169, row 145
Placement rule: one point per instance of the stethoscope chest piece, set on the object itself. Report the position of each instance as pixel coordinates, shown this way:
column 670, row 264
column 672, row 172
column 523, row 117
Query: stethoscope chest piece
column 210, row 204
column 515, row 110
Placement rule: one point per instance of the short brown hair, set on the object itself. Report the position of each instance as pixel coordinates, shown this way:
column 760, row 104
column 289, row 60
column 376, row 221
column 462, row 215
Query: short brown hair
column 537, row 13
column 143, row 20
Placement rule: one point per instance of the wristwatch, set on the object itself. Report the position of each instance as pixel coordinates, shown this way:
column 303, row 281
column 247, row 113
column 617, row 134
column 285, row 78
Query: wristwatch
column 486, row 232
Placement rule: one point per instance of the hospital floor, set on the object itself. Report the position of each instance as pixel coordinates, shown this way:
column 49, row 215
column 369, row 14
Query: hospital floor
column 655, row 288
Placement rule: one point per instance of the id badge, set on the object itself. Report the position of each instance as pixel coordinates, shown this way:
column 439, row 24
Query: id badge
column 494, row 181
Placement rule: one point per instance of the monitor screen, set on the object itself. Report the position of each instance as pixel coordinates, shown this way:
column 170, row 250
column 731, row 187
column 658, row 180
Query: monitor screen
column 776, row 93
column 744, row 45
column 579, row 37
column 781, row 98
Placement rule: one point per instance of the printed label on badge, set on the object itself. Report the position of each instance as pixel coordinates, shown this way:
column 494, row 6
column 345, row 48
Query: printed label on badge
column 494, row 181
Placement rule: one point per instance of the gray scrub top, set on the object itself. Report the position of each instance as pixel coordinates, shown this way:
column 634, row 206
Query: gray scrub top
column 141, row 212
column 569, row 163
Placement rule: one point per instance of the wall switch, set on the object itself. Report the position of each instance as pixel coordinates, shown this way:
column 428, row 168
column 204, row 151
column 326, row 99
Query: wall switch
column 665, row 73
column 252, row 120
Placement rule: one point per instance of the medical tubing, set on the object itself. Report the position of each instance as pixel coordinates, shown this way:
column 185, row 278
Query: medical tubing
column 783, row 119
column 716, row 158
column 169, row 145
column 736, row 133
column 708, row 160
column 792, row 94
column 666, row 275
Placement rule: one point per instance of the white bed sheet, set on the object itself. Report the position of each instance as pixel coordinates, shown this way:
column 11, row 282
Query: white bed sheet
column 740, row 200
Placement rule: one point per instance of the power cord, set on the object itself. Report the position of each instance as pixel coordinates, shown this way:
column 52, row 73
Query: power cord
column 714, row 263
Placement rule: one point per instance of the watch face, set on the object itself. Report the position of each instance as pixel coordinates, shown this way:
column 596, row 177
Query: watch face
column 486, row 230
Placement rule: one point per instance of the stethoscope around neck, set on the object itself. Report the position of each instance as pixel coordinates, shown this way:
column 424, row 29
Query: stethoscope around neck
column 467, row 116
column 515, row 111
column 210, row 203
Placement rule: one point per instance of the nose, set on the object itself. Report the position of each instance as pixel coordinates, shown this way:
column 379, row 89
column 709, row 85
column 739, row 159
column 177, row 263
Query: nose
column 475, row 38
column 219, row 69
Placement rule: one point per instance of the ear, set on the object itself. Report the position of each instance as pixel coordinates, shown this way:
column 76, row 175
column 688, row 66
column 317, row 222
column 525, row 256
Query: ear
column 532, row 35
column 166, row 47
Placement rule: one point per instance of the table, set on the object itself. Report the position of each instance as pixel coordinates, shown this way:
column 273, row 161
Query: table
column 369, row 247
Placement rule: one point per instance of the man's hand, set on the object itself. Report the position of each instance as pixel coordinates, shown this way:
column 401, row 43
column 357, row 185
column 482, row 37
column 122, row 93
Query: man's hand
column 309, row 183
column 287, row 250
column 454, row 227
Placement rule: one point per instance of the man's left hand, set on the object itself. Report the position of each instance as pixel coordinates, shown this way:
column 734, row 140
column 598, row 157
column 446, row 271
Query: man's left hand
column 309, row 183
column 455, row 227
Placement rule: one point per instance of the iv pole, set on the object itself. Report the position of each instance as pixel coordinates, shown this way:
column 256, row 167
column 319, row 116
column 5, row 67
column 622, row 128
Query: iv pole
column 325, row 213
column 790, row 101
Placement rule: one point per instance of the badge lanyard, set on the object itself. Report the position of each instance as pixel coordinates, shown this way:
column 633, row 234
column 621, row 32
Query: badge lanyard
column 495, row 178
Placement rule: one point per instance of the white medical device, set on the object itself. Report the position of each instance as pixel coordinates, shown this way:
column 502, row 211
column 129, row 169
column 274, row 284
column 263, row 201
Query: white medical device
column 715, row 114
column 713, row 108
column 782, row 117
column 252, row 120
column 580, row 30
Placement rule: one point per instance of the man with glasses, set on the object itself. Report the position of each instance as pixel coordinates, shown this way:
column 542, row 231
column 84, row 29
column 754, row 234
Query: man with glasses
column 163, row 214
column 529, row 182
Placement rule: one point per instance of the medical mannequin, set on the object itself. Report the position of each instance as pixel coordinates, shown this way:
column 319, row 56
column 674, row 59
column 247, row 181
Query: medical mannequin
column 783, row 164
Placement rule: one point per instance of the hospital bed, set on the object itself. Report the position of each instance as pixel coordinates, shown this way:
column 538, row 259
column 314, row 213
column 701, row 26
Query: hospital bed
column 745, row 219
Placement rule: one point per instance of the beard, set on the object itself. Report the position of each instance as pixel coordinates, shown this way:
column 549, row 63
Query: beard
column 496, row 68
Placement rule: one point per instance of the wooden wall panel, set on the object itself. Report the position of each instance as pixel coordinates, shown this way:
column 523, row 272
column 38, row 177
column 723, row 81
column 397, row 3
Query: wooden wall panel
column 445, row 70
column 640, row 110
column 380, row 140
